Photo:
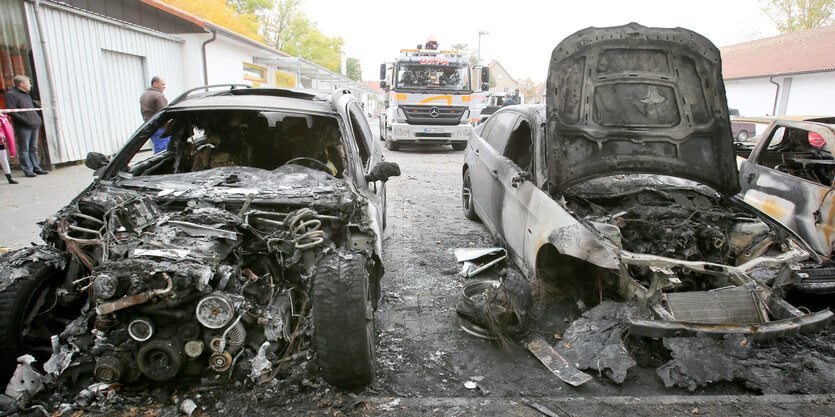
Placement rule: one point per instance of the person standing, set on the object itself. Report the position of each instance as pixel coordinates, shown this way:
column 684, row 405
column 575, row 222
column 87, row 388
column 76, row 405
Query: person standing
column 150, row 102
column 26, row 126
column 6, row 141
column 508, row 100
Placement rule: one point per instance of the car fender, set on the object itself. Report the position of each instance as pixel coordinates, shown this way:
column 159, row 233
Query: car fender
column 553, row 224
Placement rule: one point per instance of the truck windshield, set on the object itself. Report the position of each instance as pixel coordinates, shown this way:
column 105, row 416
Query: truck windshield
column 431, row 77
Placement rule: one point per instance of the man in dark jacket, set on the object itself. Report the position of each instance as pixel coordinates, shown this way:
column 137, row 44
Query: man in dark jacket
column 508, row 100
column 26, row 125
column 150, row 102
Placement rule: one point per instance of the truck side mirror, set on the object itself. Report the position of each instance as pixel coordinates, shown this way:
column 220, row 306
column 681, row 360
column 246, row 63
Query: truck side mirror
column 382, row 73
column 485, row 86
column 383, row 84
column 485, row 75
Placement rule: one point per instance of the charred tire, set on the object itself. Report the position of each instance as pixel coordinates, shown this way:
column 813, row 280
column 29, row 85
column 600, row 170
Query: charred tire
column 742, row 135
column 467, row 199
column 392, row 145
column 19, row 300
column 343, row 320
column 459, row 146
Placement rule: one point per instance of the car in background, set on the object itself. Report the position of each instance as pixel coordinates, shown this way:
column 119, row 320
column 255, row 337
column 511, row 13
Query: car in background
column 634, row 192
column 256, row 234
column 790, row 174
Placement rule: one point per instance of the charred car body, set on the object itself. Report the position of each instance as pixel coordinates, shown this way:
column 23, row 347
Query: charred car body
column 627, row 177
column 260, row 225
column 789, row 175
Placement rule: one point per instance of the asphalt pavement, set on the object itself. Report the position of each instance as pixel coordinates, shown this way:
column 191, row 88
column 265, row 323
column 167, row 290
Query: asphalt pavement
column 31, row 201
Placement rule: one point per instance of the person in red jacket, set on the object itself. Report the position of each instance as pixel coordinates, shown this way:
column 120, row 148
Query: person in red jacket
column 6, row 142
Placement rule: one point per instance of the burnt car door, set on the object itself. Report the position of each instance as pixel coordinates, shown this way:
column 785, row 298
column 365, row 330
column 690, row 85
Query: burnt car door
column 514, row 184
column 364, row 141
column 488, row 150
column 790, row 176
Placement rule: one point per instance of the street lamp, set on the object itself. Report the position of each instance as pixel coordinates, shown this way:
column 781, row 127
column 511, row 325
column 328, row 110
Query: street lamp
column 481, row 32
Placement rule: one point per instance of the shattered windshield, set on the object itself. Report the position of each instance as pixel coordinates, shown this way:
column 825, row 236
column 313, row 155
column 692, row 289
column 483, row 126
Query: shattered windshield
column 432, row 77
column 198, row 140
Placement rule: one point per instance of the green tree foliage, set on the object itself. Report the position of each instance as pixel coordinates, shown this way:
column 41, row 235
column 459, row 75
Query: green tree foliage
column 795, row 15
column 353, row 68
column 287, row 28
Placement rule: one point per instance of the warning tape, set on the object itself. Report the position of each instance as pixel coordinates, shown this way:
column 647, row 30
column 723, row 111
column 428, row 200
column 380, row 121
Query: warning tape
column 19, row 110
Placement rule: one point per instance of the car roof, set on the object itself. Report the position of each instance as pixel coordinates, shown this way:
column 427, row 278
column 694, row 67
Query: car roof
column 283, row 99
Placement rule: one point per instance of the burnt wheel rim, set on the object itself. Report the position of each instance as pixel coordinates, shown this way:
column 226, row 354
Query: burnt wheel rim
column 466, row 193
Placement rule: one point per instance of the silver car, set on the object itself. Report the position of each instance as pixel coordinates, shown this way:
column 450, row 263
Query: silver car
column 626, row 183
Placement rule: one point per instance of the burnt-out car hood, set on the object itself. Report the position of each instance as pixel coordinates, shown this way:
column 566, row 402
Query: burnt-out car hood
column 288, row 184
column 632, row 99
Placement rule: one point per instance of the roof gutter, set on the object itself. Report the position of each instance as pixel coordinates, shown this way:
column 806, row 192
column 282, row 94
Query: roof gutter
column 776, row 94
column 205, row 61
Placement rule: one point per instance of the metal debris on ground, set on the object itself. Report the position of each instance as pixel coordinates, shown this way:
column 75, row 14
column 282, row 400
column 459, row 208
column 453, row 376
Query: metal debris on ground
column 595, row 340
column 555, row 362
column 477, row 260
column 801, row 365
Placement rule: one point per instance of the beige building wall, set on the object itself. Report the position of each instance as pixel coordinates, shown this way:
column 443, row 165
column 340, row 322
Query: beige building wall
column 504, row 82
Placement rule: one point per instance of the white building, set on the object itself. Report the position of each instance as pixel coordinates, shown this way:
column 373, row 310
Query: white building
column 790, row 74
column 90, row 60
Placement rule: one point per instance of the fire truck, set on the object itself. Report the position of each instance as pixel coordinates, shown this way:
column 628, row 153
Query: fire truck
column 428, row 98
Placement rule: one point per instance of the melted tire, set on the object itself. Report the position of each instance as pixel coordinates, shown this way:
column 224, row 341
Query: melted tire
column 343, row 321
column 17, row 300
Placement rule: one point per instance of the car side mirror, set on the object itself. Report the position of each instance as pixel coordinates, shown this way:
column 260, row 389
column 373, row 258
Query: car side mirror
column 95, row 160
column 383, row 171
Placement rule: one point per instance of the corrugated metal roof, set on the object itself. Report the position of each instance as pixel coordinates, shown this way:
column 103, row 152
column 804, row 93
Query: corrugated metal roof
column 811, row 50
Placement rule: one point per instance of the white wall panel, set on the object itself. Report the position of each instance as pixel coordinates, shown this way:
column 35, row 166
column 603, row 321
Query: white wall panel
column 100, row 68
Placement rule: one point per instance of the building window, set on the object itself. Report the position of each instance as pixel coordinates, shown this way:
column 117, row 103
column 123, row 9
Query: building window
column 256, row 74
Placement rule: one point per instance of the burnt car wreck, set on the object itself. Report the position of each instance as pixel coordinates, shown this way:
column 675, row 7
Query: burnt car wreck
column 253, row 240
column 626, row 183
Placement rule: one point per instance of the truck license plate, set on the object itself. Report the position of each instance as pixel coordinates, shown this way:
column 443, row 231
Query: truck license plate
column 430, row 130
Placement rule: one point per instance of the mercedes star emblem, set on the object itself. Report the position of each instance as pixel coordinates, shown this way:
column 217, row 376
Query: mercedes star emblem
column 434, row 112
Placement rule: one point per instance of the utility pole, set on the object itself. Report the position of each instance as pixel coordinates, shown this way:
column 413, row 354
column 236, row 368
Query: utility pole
column 481, row 32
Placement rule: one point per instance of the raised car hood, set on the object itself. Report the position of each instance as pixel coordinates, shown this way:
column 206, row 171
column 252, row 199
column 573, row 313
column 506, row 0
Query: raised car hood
column 632, row 99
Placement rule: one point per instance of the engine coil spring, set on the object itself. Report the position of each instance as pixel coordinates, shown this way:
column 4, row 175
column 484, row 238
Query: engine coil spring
column 305, row 229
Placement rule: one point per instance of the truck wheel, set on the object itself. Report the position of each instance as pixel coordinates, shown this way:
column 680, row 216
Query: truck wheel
column 22, row 326
column 742, row 135
column 392, row 145
column 459, row 146
column 467, row 197
column 343, row 321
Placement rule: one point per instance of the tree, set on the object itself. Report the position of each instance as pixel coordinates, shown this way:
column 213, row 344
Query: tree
column 220, row 13
column 795, row 15
column 250, row 6
column 528, row 88
column 353, row 69
column 287, row 28
column 464, row 49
